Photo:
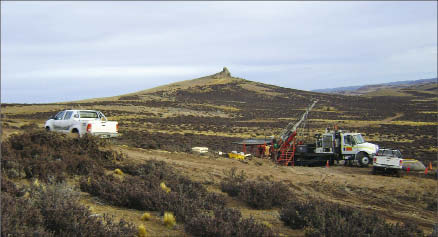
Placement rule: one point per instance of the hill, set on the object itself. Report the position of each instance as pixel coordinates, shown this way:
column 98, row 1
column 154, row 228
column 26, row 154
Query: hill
column 220, row 107
column 391, row 88
column 163, row 123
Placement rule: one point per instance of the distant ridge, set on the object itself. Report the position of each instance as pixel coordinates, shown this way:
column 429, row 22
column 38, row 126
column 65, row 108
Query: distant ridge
column 389, row 84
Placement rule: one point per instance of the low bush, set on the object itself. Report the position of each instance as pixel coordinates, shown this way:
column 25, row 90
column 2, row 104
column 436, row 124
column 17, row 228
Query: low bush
column 264, row 194
column 329, row 219
column 20, row 218
column 226, row 222
column 432, row 205
column 232, row 182
column 257, row 194
column 51, row 157
column 143, row 191
column 155, row 172
column 54, row 211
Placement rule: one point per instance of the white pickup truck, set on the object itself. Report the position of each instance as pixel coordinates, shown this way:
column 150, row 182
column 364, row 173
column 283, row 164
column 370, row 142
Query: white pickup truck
column 388, row 161
column 81, row 122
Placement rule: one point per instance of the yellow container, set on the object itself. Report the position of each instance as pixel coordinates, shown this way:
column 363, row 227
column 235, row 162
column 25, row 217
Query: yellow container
column 236, row 156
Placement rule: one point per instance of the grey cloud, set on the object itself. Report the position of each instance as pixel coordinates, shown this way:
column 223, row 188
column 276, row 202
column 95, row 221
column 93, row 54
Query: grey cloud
column 304, row 45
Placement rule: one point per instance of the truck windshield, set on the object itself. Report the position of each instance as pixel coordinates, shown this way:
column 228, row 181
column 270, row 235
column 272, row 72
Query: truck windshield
column 359, row 139
column 88, row 114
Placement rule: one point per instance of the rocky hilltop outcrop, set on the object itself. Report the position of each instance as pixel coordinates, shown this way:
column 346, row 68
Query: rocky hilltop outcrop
column 222, row 74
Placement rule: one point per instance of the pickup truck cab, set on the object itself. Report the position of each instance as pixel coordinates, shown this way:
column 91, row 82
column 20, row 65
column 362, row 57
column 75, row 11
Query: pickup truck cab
column 388, row 161
column 82, row 122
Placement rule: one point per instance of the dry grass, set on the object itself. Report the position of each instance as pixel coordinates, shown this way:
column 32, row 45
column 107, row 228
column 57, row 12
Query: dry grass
column 146, row 216
column 142, row 231
column 169, row 220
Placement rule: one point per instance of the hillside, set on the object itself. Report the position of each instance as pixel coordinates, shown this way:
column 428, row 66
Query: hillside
column 160, row 125
column 224, row 108
column 391, row 88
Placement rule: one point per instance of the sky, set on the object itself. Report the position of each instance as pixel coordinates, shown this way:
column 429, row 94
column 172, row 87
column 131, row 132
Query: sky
column 64, row 51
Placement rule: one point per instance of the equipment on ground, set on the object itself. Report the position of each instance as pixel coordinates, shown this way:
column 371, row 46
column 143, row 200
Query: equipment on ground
column 200, row 150
column 330, row 146
column 391, row 161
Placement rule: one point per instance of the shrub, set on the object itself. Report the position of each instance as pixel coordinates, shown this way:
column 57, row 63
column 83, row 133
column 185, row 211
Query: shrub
column 8, row 187
column 66, row 217
column 51, row 157
column 20, row 218
column 184, row 198
column 432, row 204
column 329, row 219
column 292, row 214
column 225, row 222
column 232, row 181
column 257, row 194
column 263, row 194
column 54, row 211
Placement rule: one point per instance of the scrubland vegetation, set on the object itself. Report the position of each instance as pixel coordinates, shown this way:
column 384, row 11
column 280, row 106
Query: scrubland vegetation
column 48, row 179
column 45, row 202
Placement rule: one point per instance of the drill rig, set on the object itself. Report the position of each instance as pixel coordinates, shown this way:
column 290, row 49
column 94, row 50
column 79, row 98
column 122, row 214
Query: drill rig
column 285, row 153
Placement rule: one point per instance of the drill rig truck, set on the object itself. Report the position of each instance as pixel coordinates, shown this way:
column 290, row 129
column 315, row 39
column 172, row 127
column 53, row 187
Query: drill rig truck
column 330, row 146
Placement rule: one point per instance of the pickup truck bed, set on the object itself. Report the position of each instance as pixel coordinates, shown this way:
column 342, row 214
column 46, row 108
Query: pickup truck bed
column 388, row 161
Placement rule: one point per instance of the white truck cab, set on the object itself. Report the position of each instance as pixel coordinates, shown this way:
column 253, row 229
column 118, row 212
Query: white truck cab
column 349, row 146
column 82, row 122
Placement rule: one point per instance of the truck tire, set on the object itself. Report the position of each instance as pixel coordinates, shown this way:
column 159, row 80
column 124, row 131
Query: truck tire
column 363, row 159
column 374, row 171
column 74, row 133
column 47, row 128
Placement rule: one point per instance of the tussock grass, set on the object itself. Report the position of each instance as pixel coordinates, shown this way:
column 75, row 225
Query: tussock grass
column 142, row 231
column 118, row 171
column 146, row 216
column 169, row 220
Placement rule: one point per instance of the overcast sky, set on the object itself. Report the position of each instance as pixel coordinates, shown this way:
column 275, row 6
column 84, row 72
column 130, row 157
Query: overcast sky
column 62, row 51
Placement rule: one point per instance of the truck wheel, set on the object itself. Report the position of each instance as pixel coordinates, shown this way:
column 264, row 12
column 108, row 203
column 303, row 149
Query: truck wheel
column 363, row 159
column 47, row 128
column 374, row 171
column 75, row 133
